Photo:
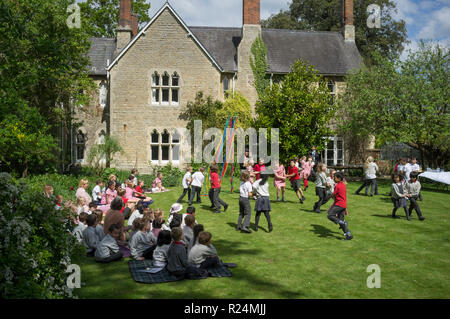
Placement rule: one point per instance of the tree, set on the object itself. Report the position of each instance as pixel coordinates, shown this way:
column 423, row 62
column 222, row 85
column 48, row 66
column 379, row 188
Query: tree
column 259, row 65
column 43, row 66
column 403, row 101
column 325, row 15
column 102, row 16
column 104, row 152
column 300, row 108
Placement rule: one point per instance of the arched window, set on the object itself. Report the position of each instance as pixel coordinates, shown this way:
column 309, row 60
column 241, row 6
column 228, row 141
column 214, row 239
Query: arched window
column 80, row 141
column 226, row 86
column 166, row 89
column 332, row 88
column 154, row 146
column 103, row 94
column 165, row 147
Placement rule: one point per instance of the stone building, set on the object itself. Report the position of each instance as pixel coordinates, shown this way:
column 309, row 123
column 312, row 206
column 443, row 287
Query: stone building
column 146, row 77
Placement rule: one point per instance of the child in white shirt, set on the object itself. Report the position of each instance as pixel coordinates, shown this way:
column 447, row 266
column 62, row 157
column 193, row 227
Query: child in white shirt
column 196, row 184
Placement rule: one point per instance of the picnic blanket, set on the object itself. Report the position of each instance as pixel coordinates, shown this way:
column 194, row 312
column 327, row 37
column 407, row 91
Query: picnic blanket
column 140, row 271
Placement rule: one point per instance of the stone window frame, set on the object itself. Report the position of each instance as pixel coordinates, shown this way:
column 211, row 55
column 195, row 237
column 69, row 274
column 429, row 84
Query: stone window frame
column 172, row 144
column 170, row 86
column 80, row 144
column 331, row 85
column 336, row 160
column 103, row 94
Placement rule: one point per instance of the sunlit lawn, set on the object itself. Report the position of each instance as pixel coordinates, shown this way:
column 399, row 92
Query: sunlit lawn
column 305, row 256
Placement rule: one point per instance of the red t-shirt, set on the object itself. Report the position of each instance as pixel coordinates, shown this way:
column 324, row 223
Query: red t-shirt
column 139, row 189
column 340, row 195
column 292, row 170
column 125, row 200
column 215, row 182
column 258, row 169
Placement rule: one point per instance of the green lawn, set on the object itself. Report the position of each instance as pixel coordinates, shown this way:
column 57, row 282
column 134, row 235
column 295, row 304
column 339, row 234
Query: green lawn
column 305, row 256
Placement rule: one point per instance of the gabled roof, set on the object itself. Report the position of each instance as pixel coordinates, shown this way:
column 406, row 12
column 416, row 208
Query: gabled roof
column 164, row 7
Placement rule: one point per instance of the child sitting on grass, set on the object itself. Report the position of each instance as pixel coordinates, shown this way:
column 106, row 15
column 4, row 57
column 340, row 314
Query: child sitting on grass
column 203, row 254
column 78, row 230
column 99, row 228
column 143, row 242
column 188, row 232
column 161, row 250
column 108, row 250
column 177, row 261
column 90, row 237
column 157, row 184
column 81, row 206
column 189, row 211
column 158, row 222
column 197, row 230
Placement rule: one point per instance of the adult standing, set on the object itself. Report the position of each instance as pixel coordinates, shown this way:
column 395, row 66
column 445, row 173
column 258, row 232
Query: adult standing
column 81, row 191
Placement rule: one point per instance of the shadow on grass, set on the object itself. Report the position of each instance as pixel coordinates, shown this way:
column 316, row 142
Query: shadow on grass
column 399, row 214
column 324, row 232
column 252, row 227
column 118, row 283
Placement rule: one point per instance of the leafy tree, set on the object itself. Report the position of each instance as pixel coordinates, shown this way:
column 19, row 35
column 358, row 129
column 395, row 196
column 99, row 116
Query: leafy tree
column 300, row 108
column 259, row 65
column 236, row 105
column 36, row 243
column 102, row 16
column 403, row 101
column 104, row 152
column 43, row 66
column 325, row 15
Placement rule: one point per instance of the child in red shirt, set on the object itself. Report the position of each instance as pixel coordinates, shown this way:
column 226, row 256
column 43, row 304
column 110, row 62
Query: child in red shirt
column 294, row 177
column 216, row 201
column 336, row 213
column 260, row 167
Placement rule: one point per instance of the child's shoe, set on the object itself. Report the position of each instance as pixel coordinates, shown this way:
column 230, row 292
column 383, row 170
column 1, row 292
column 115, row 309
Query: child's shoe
column 270, row 228
column 246, row 230
column 421, row 218
column 348, row 236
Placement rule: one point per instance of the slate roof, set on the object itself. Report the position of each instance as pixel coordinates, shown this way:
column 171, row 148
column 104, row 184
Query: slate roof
column 327, row 51
column 101, row 50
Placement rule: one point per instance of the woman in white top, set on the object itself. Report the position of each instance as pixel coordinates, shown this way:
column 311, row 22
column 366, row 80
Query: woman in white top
column 262, row 205
column 371, row 170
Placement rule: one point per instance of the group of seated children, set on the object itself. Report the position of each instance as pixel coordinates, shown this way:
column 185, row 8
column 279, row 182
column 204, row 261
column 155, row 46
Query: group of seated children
column 179, row 244
column 401, row 192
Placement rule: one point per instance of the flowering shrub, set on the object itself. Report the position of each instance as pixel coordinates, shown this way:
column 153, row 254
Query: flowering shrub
column 35, row 243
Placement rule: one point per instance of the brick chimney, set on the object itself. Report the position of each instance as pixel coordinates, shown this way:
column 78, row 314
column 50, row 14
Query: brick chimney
column 134, row 25
column 124, row 31
column 347, row 19
column 251, row 11
column 251, row 29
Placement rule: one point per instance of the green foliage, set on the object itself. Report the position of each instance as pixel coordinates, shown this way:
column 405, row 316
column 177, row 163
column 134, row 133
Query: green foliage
column 102, row 16
column 26, row 142
column 43, row 67
column 259, row 65
column 325, row 15
column 36, row 244
column 171, row 175
column 215, row 113
column 104, row 152
column 300, row 109
column 403, row 101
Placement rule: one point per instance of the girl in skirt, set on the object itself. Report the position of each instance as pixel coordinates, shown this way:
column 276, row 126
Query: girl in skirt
column 398, row 195
column 262, row 205
column 280, row 181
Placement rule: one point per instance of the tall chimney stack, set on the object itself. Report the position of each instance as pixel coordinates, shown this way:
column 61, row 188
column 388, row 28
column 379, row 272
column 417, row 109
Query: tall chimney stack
column 347, row 17
column 124, row 31
column 251, row 11
column 134, row 24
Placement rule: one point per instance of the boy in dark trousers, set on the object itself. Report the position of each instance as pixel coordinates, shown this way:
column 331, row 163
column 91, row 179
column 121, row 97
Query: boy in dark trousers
column 216, row 201
column 177, row 259
column 413, row 190
column 336, row 213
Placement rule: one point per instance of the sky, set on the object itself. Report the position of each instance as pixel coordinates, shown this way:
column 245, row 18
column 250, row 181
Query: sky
column 425, row 19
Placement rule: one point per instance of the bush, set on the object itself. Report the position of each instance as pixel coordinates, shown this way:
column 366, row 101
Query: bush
column 35, row 242
column 172, row 175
